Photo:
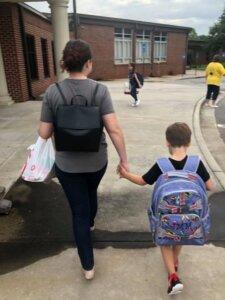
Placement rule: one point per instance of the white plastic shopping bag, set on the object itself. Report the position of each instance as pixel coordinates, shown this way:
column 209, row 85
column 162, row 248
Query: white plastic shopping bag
column 127, row 88
column 40, row 162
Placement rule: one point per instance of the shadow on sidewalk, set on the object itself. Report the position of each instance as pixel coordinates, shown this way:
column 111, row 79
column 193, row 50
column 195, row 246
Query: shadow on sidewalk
column 39, row 226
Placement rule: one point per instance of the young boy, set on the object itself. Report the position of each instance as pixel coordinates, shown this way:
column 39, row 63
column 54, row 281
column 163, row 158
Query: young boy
column 178, row 137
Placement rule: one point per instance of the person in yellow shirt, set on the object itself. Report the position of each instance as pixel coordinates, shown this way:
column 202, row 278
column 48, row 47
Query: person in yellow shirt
column 214, row 74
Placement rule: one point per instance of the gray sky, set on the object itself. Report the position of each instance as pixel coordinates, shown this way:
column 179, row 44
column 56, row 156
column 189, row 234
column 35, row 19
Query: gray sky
column 200, row 14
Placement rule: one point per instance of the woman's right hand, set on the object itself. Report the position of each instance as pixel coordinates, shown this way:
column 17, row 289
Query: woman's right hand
column 124, row 165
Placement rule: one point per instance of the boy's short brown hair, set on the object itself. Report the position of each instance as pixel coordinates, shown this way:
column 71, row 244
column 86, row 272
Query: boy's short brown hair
column 178, row 135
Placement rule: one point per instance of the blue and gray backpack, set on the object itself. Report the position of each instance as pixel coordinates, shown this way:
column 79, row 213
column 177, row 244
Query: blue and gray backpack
column 179, row 211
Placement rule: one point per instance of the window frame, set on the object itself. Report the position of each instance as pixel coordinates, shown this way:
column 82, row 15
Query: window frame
column 125, row 38
column 143, row 37
column 32, row 57
column 160, row 39
column 45, row 57
column 53, row 58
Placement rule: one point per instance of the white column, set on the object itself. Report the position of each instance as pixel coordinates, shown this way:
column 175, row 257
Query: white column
column 59, row 10
column 5, row 98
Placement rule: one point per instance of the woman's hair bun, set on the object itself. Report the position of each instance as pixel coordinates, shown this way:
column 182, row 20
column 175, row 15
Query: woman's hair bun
column 75, row 55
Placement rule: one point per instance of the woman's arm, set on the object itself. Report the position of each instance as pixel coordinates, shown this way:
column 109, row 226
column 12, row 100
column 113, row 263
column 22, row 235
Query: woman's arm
column 116, row 135
column 45, row 130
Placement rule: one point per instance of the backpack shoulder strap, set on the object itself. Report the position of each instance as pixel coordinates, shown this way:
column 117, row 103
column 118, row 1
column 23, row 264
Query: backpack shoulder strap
column 95, row 95
column 165, row 165
column 192, row 163
column 61, row 93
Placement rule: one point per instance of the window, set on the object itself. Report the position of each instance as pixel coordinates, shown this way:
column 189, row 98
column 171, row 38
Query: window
column 123, row 46
column 160, row 47
column 143, row 46
column 32, row 59
column 53, row 57
column 44, row 49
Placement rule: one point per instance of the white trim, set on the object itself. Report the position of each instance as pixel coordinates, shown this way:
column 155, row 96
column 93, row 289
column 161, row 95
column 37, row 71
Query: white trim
column 159, row 48
column 123, row 47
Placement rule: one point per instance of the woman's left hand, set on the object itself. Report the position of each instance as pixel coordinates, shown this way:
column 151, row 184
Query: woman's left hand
column 121, row 171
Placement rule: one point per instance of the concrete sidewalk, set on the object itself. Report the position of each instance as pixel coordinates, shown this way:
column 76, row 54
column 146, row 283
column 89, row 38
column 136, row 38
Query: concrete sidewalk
column 213, row 148
column 121, row 275
column 18, row 126
column 37, row 235
column 190, row 74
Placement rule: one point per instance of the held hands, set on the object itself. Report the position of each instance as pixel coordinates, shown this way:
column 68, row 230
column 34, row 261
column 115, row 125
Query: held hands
column 122, row 170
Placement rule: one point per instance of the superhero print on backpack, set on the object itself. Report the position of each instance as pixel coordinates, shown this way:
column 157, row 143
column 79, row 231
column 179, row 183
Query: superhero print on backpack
column 179, row 211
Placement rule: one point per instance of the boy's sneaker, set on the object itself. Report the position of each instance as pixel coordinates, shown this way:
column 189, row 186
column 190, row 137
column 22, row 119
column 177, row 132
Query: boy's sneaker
column 132, row 101
column 138, row 102
column 175, row 285
column 92, row 228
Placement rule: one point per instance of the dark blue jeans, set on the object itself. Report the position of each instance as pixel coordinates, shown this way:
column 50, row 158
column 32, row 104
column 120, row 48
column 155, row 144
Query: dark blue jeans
column 81, row 192
column 212, row 92
column 133, row 92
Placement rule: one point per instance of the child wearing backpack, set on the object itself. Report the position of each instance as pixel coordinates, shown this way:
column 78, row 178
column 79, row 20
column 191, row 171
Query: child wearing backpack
column 179, row 212
column 136, row 81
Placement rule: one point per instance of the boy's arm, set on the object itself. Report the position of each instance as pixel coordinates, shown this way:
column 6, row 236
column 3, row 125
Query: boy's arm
column 209, row 185
column 204, row 174
column 137, row 179
column 135, row 75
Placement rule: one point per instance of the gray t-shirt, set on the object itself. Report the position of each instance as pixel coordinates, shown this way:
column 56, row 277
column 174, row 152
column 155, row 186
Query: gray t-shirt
column 78, row 162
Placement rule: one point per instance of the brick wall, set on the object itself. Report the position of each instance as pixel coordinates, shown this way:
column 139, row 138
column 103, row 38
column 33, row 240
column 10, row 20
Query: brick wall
column 11, row 42
column 176, row 56
column 101, row 39
column 12, row 51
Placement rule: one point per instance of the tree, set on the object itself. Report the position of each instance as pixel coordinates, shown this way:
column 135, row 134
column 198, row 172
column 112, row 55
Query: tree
column 193, row 35
column 216, row 41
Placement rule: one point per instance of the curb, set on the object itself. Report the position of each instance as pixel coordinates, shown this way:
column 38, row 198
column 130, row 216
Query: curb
column 194, row 77
column 214, row 166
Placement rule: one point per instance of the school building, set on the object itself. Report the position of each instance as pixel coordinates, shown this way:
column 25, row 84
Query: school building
column 31, row 44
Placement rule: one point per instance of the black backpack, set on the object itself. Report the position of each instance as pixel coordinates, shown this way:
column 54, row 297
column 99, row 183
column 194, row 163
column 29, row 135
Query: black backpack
column 78, row 128
column 141, row 80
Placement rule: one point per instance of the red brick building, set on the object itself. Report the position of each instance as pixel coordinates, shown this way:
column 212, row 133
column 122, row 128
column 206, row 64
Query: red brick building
column 26, row 38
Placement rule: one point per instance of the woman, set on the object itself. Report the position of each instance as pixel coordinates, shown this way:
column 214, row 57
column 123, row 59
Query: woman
column 134, row 83
column 81, row 172
column 214, row 74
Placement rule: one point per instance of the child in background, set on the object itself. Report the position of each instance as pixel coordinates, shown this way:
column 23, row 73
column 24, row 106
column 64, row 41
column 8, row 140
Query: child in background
column 178, row 137
column 214, row 75
column 134, row 84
